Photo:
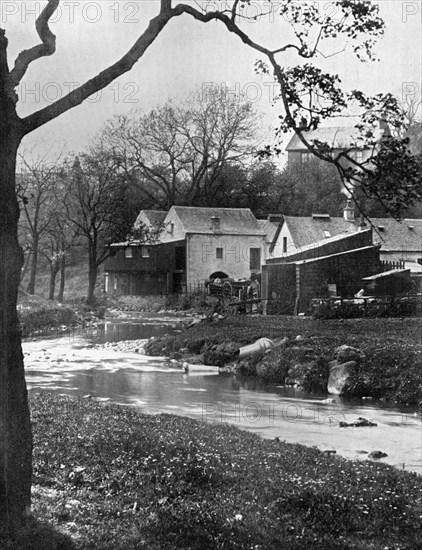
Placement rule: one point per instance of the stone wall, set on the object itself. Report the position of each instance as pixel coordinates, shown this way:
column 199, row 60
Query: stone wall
column 202, row 259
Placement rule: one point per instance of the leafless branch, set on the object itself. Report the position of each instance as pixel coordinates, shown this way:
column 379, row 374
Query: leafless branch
column 47, row 46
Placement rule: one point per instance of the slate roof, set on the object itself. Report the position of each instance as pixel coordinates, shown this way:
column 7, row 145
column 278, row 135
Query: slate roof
column 269, row 228
column 155, row 217
column 233, row 221
column 394, row 236
column 337, row 137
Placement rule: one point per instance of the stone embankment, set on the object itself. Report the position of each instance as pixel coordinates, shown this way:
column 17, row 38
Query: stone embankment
column 350, row 360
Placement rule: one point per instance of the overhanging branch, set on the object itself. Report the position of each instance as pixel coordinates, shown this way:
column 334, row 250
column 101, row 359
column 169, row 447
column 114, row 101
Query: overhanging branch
column 47, row 46
column 100, row 81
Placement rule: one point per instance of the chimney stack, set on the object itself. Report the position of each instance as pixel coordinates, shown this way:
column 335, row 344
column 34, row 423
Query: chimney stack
column 349, row 212
column 215, row 223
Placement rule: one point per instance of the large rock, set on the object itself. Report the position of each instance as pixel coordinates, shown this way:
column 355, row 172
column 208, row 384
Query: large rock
column 339, row 375
column 344, row 354
column 220, row 354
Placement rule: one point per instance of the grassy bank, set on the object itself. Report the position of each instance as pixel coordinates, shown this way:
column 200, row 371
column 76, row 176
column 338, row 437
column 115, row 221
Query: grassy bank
column 392, row 348
column 38, row 316
column 110, row 478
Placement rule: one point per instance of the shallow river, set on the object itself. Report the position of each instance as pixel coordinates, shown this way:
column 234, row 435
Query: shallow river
column 71, row 365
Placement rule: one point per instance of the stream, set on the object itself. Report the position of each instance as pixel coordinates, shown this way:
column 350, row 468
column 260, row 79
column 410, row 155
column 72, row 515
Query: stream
column 72, row 364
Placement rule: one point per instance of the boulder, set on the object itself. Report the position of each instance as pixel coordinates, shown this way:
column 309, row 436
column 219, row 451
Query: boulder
column 344, row 354
column 246, row 366
column 377, row 454
column 269, row 368
column 339, row 375
column 220, row 354
column 359, row 423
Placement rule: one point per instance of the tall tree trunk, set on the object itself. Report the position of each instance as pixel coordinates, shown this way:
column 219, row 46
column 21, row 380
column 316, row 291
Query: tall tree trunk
column 54, row 269
column 62, row 277
column 92, row 279
column 34, row 265
column 25, row 265
column 15, row 428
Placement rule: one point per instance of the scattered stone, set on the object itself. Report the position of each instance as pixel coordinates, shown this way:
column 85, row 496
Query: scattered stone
column 377, row 454
column 359, row 423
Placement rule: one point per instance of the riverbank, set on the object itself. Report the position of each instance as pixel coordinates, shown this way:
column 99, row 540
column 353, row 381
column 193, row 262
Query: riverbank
column 391, row 349
column 391, row 352
column 110, row 478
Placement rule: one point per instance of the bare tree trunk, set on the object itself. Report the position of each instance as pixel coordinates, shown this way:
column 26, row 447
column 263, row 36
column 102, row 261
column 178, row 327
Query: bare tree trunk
column 92, row 279
column 62, row 278
column 25, row 266
column 54, row 269
column 34, row 265
column 15, row 428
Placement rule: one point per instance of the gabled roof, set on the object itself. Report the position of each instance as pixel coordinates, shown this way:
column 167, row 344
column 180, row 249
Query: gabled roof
column 308, row 230
column 154, row 217
column 269, row 228
column 394, row 236
column 233, row 221
column 337, row 137
column 397, row 236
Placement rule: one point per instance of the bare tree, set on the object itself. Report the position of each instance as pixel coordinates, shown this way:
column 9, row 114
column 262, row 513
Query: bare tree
column 97, row 207
column 37, row 181
column 177, row 152
column 61, row 236
column 358, row 25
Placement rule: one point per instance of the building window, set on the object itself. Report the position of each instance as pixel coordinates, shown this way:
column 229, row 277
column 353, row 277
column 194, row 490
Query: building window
column 219, row 253
column 128, row 252
column 284, row 244
column 255, row 259
column 144, row 252
column 305, row 157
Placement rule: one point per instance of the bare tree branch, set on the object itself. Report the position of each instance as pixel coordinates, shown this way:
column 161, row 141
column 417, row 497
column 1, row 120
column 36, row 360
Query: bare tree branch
column 100, row 81
column 47, row 46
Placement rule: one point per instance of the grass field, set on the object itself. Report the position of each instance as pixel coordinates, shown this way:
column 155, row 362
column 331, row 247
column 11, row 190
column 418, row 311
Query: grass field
column 109, row 478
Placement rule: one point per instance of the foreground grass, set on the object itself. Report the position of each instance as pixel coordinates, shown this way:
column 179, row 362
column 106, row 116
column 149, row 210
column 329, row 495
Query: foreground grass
column 109, row 478
column 392, row 348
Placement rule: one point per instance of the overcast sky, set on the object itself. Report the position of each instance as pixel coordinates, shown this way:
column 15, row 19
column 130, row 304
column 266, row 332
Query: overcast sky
column 187, row 54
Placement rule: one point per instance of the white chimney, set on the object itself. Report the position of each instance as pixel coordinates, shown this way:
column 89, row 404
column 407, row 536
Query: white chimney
column 215, row 223
column 349, row 211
